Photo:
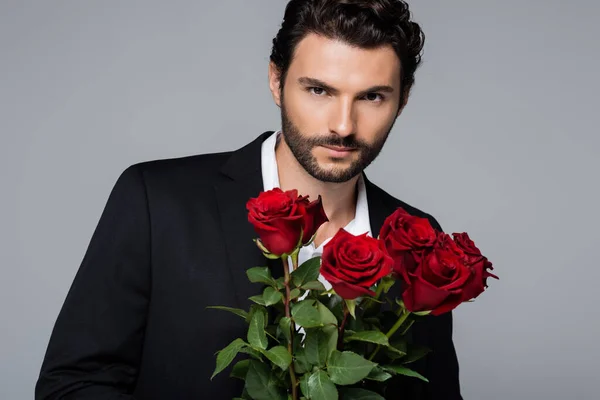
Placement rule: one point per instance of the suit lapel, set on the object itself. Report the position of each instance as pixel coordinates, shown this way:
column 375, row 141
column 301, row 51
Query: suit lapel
column 242, row 180
column 378, row 209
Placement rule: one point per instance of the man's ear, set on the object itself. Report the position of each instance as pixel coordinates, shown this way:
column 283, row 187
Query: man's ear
column 275, row 83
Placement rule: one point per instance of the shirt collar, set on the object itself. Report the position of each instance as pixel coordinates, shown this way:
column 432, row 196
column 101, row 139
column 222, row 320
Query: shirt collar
column 361, row 222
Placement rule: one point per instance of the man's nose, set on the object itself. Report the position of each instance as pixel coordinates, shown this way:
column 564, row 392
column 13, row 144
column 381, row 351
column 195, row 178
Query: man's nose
column 342, row 120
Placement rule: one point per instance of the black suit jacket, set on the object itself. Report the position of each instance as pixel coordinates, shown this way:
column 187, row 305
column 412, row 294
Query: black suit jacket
column 173, row 239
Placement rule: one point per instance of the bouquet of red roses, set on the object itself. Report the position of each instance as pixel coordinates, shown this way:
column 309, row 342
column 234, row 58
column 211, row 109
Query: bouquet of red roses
column 351, row 339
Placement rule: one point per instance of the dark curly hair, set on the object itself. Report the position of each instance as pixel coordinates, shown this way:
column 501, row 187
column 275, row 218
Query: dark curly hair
column 364, row 23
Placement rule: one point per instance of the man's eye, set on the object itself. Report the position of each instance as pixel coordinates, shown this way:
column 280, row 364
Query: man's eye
column 316, row 91
column 373, row 97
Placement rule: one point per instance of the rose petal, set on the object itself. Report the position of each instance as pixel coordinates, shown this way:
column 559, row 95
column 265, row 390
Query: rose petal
column 283, row 239
column 348, row 291
column 314, row 217
column 478, row 279
column 422, row 296
column 465, row 243
column 453, row 301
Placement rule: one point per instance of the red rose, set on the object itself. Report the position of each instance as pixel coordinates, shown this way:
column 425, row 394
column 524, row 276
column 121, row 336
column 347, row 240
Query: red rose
column 406, row 237
column 352, row 264
column 279, row 218
column 478, row 264
column 439, row 281
column 314, row 217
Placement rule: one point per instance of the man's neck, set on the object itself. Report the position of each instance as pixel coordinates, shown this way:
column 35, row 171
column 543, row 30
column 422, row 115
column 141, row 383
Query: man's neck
column 339, row 199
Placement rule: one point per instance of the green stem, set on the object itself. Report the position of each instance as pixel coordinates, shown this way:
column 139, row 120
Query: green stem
column 340, row 343
column 405, row 314
column 398, row 323
column 286, row 274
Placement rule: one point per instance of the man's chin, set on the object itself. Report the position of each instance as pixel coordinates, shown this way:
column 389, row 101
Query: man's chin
column 333, row 175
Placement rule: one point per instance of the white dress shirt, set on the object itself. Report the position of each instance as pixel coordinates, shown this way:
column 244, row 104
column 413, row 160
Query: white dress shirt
column 359, row 225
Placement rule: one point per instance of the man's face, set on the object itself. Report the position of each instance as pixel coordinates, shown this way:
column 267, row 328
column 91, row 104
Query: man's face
column 338, row 105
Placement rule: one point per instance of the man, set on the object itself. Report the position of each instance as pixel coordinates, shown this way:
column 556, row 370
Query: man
column 174, row 236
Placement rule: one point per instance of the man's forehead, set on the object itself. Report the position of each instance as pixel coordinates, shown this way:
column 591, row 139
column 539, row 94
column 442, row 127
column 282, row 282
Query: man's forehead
column 337, row 62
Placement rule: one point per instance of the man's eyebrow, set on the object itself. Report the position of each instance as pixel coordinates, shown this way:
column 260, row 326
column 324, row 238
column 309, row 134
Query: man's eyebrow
column 306, row 81
column 379, row 88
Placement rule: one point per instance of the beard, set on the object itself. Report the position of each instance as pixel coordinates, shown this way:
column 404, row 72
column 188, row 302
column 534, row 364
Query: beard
column 301, row 147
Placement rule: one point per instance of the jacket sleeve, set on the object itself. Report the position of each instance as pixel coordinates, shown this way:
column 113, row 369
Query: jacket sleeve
column 95, row 347
column 442, row 368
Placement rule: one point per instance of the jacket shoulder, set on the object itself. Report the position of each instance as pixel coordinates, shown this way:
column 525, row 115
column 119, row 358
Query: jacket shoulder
column 197, row 168
column 392, row 203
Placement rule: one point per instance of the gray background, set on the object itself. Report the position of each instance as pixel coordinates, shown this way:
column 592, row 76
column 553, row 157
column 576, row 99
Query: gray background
column 500, row 139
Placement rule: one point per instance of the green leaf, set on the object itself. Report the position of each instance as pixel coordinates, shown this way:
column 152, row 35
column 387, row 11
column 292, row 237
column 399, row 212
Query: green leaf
column 368, row 336
column 397, row 348
column 393, row 353
column 280, row 282
column 301, row 364
column 347, row 368
column 260, row 275
column 317, row 347
column 256, row 332
column 253, row 353
column 326, row 315
column 313, row 285
column 245, row 395
column 271, row 296
column 240, row 369
column 281, row 375
column 359, row 394
column 351, row 304
column 320, row 387
column 379, row 375
column 279, row 356
column 285, row 325
column 332, row 334
column 271, row 331
column 227, row 354
column 305, row 314
column 236, row 311
column 258, row 299
column 304, row 385
column 261, row 384
column 415, row 352
column 402, row 370
column 307, row 272
column 254, row 308
column 295, row 293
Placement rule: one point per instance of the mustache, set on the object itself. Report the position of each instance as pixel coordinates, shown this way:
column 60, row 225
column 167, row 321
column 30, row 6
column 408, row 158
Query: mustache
column 338, row 141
